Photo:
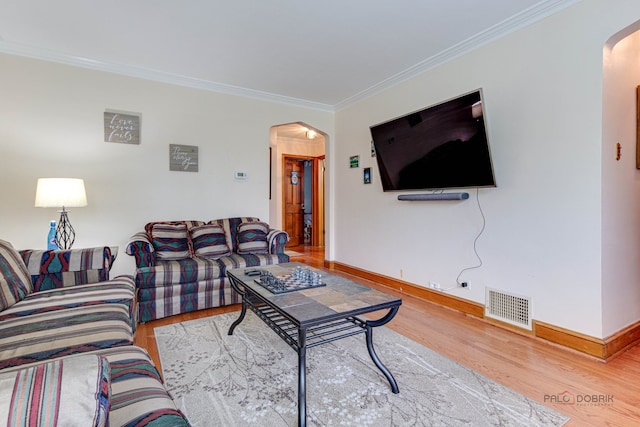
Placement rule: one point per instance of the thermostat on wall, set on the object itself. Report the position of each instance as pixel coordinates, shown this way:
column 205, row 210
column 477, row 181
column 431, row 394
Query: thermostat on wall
column 240, row 176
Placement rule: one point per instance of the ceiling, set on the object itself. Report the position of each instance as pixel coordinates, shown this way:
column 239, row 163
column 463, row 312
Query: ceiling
column 299, row 131
column 322, row 54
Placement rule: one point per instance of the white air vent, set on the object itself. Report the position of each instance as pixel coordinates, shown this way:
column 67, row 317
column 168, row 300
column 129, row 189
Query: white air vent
column 508, row 308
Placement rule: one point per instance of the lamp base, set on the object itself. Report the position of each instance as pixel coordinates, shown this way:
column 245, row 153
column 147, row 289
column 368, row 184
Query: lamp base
column 65, row 233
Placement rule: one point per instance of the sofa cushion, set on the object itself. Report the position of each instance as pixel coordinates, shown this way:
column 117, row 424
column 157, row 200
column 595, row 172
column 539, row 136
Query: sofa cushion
column 250, row 260
column 230, row 226
column 209, row 241
column 252, row 238
column 138, row 397
column 120, row 290
column 170, row 241
column 184, row 271
column 63, row 332
column 73, row 391
column 15, row 282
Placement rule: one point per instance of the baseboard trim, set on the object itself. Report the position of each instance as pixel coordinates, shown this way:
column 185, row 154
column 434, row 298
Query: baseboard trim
column 460, row 304
column 571, row 339
column 603, row 349
column 622, row 340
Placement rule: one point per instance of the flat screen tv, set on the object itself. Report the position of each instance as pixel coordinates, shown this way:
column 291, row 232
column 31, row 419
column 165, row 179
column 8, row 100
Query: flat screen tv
column 440, row 147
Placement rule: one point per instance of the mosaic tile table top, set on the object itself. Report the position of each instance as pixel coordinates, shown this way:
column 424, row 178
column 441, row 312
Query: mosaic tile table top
column 340, row 297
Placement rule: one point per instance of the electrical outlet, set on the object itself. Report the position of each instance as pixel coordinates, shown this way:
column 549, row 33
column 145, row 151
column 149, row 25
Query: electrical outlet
column 434, row 285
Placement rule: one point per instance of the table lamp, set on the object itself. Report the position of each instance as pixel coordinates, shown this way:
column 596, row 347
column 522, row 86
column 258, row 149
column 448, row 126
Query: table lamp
column 61, row 193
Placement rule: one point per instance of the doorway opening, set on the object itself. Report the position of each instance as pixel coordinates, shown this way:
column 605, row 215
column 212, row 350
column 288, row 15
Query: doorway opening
column 298, row 190
column 302, row 200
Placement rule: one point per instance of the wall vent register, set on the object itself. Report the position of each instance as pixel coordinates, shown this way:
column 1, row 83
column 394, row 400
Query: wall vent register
column 508, row 308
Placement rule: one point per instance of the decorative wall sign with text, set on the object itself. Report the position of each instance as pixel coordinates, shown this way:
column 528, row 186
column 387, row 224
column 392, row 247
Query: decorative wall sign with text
column 121, row 127
column 183, row 158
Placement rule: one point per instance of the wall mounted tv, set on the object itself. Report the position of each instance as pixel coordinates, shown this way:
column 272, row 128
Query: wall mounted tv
column 443, row 146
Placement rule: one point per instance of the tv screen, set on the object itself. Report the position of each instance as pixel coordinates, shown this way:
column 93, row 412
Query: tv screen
column 442, row 146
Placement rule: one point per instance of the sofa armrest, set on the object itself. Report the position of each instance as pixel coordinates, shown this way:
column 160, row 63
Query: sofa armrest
column 277, row 240
column 141, row 248
column 58, row 269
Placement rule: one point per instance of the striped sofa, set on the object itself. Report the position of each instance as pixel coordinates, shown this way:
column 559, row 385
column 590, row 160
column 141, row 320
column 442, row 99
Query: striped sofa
column 66, row 344
column 181, row 265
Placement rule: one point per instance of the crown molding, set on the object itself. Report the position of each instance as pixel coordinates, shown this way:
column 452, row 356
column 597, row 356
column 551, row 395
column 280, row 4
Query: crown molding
column 154, row 75
column 512, row 24
column 508, row 26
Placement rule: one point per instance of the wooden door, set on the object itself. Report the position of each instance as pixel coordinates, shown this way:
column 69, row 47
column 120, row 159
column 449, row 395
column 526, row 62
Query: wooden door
column 293, row 186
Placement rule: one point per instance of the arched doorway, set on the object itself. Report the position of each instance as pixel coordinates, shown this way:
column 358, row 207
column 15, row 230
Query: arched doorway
column 620, row 206
column 297, row 189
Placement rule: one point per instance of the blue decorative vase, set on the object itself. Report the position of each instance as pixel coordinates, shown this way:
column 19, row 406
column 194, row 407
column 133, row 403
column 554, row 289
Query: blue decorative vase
column 52, row 241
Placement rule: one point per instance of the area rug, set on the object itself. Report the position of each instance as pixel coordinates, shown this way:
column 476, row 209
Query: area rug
column 250, row 379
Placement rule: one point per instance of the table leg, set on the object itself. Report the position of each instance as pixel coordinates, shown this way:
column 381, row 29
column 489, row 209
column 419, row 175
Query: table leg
column 370, row 324
column 243, row 312
column 302, row 380
column 239, row 319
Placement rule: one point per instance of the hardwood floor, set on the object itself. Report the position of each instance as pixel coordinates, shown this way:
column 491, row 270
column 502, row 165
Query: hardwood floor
column 591, row 392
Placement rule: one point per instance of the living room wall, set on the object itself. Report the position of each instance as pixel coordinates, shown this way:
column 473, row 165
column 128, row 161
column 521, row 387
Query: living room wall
column 620, row 180
column 544, row 224
column 51, row 125
column 550, row 231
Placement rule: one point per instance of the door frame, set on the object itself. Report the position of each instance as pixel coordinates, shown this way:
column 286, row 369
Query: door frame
column 316, row 234
column 318, row 200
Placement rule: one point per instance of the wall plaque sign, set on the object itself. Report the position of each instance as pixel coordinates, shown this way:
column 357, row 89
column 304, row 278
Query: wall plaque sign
column 354, row 161
column 121, row 127
column 183, row 158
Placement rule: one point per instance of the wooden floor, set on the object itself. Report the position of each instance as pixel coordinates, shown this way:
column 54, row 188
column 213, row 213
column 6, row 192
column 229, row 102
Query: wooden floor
column 596, row 393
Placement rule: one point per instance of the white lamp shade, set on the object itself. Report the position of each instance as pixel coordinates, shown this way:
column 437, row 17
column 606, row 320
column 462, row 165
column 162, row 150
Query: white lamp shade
column 60, row 192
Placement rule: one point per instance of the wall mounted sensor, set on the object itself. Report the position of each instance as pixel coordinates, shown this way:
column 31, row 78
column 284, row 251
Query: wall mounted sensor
column 240, row 176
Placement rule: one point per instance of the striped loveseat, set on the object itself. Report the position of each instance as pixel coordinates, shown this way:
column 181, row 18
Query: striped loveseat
column 66, row 344
column 181, row 265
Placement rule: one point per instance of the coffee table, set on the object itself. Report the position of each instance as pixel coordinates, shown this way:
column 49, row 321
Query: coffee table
column 311, row 317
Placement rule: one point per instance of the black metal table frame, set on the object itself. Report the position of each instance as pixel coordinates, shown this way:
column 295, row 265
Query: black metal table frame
column 302, row 337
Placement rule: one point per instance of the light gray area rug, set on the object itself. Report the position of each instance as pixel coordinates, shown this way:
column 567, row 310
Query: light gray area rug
column 250, row 379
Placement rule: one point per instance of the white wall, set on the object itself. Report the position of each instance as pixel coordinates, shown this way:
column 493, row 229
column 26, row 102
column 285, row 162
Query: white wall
column 51, row 126
column 620, row 185
column 543, row 95
column 552, row 224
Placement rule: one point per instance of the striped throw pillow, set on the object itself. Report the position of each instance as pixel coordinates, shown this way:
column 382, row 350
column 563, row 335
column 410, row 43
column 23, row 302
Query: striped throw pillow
column 209, row 241
column 15, row 281
column 252, row 238
column 170, row 241
column 72, row 391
